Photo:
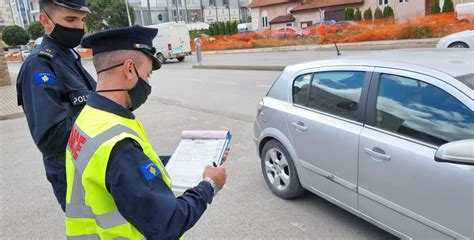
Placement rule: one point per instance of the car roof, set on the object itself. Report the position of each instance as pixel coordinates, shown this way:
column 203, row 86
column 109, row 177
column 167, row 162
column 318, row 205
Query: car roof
column 432, row 62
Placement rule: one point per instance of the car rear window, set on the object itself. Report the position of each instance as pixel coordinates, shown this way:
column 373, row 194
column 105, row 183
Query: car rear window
column 467, row 80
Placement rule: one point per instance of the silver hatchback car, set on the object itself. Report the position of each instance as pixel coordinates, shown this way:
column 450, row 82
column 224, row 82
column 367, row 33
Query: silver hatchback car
column 387, row 136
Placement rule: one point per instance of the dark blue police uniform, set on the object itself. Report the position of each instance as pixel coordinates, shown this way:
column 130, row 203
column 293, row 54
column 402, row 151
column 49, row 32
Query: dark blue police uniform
column 52, row 88
column 165, row 216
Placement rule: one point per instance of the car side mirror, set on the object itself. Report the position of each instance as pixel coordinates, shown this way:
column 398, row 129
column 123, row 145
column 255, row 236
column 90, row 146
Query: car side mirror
column 459, row 152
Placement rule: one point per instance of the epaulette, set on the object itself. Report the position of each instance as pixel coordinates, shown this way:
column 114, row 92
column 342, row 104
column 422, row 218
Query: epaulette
column 48, row 53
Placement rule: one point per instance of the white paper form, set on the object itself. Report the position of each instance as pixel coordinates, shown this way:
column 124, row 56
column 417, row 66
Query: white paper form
column 196, row 150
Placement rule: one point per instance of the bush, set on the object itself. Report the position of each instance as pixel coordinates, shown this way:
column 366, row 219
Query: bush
column 448, row 6
column 378, row 13
column 35, row 30
column 388, row 12
column 435, row 7
column 357, row 15
column 15, row 36
column 227, row 28
column 349, row 14
column 368, row 14
column 221, row 28
column 233, row 28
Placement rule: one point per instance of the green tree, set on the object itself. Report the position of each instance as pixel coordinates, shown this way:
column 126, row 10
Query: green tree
column 234, row 27
column 349, row 14
column 368, row 14
column 388, row 12
column 106, row 14
column 35, row 30
column 448, row 6
column 228, row 30
column 15, row 36
column 357, row 15
column 378, row 13
column 435, row 7
column 221, row 28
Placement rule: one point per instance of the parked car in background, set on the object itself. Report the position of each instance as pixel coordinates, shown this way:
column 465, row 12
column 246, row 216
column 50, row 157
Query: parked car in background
column 387, row 136
column 344, row 24
column 464, row 39
column 38, row 42
column 465, row 11
column 287, row 32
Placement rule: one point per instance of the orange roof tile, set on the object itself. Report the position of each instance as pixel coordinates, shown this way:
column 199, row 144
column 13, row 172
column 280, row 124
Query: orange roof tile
column 263, row 3
column 283, row 19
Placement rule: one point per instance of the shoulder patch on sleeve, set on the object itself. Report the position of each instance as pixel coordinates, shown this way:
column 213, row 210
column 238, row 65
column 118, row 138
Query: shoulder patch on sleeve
column 149, row 170
column 46, row 52
column 46, row 78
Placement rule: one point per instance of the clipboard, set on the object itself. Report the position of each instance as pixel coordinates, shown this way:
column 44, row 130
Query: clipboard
column 196, row 150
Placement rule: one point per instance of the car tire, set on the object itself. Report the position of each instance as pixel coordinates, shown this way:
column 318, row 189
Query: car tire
column 180, row 59
column 279, row 171
column 161, row 58
column 458, row 45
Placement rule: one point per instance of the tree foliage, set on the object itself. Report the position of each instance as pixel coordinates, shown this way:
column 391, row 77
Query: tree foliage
column 368, row 14
column 378, row 13
column 15, row 36
column 349, row 14
column 106, row 14
column 35, row 30
column 357, row 15
column 435, row 7
column 388, row 12
column 448, row 6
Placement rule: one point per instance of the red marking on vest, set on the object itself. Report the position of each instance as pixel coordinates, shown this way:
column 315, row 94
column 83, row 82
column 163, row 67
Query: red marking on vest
column 76, row 140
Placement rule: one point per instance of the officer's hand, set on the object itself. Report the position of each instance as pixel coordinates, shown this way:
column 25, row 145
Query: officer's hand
column 217, row 174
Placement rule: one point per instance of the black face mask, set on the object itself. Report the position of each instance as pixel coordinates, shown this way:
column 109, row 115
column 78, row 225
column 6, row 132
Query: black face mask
column 138, row 93
column 68, row 37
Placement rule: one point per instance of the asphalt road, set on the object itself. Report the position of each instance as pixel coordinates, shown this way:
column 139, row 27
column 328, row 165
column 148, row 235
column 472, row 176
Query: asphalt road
column 184, row 98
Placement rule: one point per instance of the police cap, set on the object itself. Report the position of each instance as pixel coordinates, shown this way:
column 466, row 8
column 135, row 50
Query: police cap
column 79, row 5
column 128, row 38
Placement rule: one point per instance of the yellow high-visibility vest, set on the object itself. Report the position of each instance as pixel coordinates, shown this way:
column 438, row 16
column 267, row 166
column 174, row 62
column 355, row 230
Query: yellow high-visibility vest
column 91, row 212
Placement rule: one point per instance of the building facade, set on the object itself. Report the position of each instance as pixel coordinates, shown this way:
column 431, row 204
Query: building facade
column 268, row 14
column 189, row 11
column 18, row 12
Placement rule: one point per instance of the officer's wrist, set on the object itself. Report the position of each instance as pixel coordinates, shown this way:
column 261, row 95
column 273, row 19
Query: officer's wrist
column 213, row 185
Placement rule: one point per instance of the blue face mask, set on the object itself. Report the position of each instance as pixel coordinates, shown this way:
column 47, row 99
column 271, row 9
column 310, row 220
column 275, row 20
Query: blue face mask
column 138, row 93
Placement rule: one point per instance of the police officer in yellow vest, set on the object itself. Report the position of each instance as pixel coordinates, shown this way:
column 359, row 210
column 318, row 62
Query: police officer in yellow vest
column 117, row 186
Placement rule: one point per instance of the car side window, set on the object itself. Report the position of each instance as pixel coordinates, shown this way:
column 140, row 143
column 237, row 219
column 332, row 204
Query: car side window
column 337, row 93
column 301, row 87
column 421, row 111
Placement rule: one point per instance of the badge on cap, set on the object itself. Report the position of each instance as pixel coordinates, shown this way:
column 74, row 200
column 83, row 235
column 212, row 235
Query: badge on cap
column 149, row 170
column 46, row 78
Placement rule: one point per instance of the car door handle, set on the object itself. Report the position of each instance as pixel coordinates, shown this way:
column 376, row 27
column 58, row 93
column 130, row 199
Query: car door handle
column 300, row 126
column 377, row 153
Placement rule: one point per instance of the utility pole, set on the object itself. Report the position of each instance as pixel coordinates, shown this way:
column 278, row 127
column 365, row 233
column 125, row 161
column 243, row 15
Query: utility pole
column 11, row 11
column 149, row 10
column 177, row 10
column 128, row 13
column 240, row 14
column 186, row 11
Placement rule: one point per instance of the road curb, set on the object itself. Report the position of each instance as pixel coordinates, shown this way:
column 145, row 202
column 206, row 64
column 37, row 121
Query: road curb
column 12, row 116
column 240, row 67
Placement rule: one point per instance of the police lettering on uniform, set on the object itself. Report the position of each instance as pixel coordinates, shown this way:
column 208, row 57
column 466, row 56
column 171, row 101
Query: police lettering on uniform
column 53, row 87
column 117, row 186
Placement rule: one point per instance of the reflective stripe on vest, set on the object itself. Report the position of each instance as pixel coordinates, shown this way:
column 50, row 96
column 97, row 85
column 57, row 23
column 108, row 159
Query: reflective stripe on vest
column 82, row 220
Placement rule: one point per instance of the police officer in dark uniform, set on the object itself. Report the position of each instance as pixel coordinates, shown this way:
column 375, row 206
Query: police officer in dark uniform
column 53, row 86
column 120, row 176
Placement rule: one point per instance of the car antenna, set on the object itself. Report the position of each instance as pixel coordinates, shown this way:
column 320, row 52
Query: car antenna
column 337, row 49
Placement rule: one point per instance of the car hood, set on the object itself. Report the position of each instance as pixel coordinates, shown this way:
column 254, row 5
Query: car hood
column 461, row 34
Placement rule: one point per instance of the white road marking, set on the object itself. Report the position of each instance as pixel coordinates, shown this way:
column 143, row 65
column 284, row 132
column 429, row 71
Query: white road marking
column 264, row 86
column 229, row 83
column 194, row 80
column 296, row 225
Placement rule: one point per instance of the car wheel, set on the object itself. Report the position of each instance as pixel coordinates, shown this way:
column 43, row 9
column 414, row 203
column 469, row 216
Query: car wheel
column 180, row 59
column 161, row 58
column 279, row 171
column 458, row 45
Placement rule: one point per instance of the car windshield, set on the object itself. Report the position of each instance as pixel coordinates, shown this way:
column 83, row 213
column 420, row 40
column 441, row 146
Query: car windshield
column 467, row 80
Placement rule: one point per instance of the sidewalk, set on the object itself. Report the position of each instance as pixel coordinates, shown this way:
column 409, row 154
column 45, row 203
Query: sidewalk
column 8, row 106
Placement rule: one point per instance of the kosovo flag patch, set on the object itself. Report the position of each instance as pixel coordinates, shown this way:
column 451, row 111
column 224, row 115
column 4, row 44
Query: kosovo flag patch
column 47, row 78
column 149, row 170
